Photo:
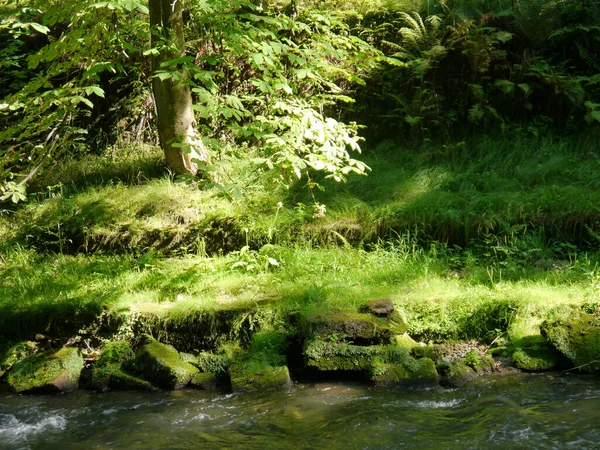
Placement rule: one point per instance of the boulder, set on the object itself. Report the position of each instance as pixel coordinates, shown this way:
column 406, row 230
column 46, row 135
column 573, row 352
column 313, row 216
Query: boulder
column 206, row 380
column 262, row 366
column 108, row 370
column 536, row 355
column 576, row 335
column 48, row 372
column 160, row 364
column 412, row 372
column 328, row 356
column 355, row 327
column 455, row 373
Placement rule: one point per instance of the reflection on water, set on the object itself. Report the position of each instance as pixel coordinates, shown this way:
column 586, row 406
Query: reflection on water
column 516, row 412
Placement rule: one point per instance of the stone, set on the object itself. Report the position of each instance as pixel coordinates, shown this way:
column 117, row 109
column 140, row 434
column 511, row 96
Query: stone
column 479, row 363
column 206, row 380
column 255, row 375
column 379, row 307
column 405, row 341
column 48, row 372
column 108, row 372
column 536, row 355
column 355, row 327
column 328, row 356
column 160, row 364
column 455, row 373
column 576, row 335
column 412, row 372
column 433, row 352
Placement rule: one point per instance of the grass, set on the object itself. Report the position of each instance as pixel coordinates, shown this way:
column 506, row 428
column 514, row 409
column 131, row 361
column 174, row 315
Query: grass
column 474, row 240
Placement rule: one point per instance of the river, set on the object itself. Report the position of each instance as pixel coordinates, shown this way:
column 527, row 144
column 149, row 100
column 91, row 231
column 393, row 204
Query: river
column 522, row 411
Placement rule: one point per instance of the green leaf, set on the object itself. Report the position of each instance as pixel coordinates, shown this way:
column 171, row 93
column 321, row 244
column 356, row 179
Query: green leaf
column 39, row 28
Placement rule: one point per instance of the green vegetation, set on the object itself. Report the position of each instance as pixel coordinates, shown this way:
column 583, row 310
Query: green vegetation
column 478, row 219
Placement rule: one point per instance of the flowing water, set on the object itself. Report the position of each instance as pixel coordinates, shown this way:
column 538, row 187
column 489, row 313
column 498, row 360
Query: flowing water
column 496, row 412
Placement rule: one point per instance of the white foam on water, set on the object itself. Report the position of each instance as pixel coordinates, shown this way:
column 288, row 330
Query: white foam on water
column 14, row 431
column 440, row 404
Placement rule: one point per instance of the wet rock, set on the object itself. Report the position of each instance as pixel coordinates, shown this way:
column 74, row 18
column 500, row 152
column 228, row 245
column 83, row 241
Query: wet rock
column 160, row 364
column 536, row 355
column 379, row 307
column 48, row 372
column 576, row 335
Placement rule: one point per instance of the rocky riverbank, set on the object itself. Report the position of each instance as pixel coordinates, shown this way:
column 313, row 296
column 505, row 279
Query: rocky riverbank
column 369, row 344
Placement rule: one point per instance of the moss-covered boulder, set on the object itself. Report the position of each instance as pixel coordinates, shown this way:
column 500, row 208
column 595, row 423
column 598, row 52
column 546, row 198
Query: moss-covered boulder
column 160, row 364
column 535, row 354
column 413, row 372
column 108, row 371
column 329, row 356
column 433, row 352
column 254, row 374
column 13, row 353
column 455, row 373
column 206, row 380
column 576, row 335
column 262, row 366
column 48, row 372
column 216, row 364
column 405, row 341
column 355, row 327
column 479, row 363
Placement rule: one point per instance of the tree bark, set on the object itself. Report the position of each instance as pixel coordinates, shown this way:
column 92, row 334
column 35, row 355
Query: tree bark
column 175, row 117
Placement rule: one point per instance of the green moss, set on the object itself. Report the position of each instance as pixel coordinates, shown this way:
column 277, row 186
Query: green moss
column 433, row 352
column 420, row 372
column 326, row 356
column 535, row 360
column 405, row 341
column 478, row 362
column 257, row 375
column 354, row 327
column 50, row 371
column 160, row 364
column 14, row 353
column 210, row 363
column 455, row 373
column 206, row 381
column 576, row 335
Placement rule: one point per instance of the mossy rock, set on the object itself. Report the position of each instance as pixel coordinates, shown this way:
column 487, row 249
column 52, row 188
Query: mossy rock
column 210, row 363
column 257, row 375
column 160, row 364
column 532, row 360
column 381, row 307
column 478, row 362
column 576, row 335
column 207, row 381
column 107, row 371
column 48, row 372
column 413, row 372
column 405, row 341
column 355, row 327
column 455, row 373
column 328, row 356
column 15, row 353
column 433, row 352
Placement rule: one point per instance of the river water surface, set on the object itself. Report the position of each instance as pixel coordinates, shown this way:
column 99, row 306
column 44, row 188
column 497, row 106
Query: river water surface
column 497, row 412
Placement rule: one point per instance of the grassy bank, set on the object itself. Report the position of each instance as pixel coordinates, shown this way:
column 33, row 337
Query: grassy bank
column 471, row 241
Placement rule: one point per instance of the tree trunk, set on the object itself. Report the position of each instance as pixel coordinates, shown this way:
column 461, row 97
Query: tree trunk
column 176, row 124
